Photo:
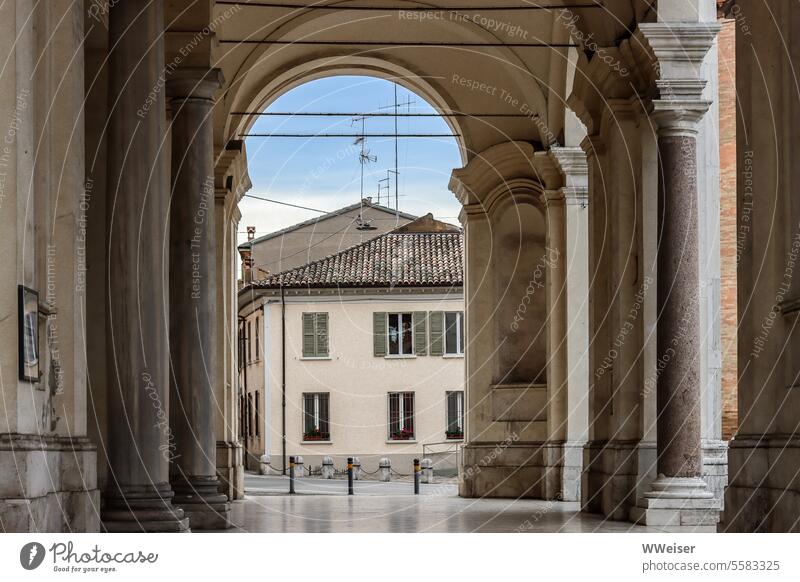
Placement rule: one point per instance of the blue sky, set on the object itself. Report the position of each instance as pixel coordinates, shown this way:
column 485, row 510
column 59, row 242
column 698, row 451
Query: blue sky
column 325, row 173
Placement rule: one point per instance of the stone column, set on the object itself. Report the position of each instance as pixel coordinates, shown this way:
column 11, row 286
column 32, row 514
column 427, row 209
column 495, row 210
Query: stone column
column 678, row 497
column 193, row 299
column 139, row 496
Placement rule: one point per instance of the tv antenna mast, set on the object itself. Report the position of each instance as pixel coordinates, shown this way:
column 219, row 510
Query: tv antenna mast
column 407, row 103
column 364, row 158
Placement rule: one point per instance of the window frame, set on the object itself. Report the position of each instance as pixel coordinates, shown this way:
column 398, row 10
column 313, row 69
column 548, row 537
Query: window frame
column 459, row 414
column 400, row 354
column 459, row 335
column 401, row 416
column 316, row 415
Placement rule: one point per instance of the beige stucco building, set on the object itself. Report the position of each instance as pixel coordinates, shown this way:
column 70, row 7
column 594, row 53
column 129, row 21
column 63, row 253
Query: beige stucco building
column 366, row 349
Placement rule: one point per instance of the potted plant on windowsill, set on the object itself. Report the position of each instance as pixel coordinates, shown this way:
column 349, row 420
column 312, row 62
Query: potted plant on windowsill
column 316, row 435
column 403, row 435
column 454, row 434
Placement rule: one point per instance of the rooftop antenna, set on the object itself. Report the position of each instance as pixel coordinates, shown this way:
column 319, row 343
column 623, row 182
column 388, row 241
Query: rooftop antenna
column 408, row 102
column 364, row 158
column 385, row 183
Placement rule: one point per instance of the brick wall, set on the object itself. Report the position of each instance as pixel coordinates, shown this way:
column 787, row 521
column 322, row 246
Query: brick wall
column 727, row 153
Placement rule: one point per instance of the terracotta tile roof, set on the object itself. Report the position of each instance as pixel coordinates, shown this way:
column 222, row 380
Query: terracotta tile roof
column 394, row 259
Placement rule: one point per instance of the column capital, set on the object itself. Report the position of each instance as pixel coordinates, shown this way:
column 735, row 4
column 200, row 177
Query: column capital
column 566, row 173
column 193, row 82
column 679, row 47
column 499, row 167
column 678, row 117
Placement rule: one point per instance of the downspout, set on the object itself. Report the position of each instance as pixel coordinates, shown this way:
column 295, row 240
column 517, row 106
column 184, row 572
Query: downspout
column 283, row 378
column 243, row 368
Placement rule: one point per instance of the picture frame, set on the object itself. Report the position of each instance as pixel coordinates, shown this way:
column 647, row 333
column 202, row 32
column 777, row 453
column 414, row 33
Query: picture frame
column 28, row 348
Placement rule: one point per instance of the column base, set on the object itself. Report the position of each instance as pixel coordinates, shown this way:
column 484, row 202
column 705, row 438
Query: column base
column 202, row 502
column 65, row 499
column 678, row 504
column 230, row 468
column 142, row 509
column 534, row 470
column 615, row 474
column 764, row 492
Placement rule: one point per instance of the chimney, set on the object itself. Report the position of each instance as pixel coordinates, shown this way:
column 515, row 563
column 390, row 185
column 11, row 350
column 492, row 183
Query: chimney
column 251, row 233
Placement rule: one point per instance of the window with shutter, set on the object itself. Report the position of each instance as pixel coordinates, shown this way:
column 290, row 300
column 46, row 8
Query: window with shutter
column 420, row 333
column 436, row 322
column 315, row 335
column 379, row 333
column 322, row 335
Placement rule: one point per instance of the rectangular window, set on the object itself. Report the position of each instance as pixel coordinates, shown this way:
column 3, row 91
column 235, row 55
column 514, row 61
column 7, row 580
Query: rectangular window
column 258, row 416
column 454, row 333
column 240, row 349
column 315, row 335
column 316, row 416
column 249, row 415
column 258, row 326
column 400, row 334
column 401, row 416
column 455, row 415
column 248, row 339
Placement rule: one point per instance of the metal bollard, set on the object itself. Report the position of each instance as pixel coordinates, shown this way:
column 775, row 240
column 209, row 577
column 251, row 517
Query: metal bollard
column 416, row 476
column 291, row 475
column 349, row 475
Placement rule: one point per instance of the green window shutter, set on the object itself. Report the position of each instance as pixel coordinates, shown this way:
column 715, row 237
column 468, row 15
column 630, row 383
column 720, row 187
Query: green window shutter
column 419, row 323
column 379, row 333
column 309, row 347
column 322, row 335
column 436, row 320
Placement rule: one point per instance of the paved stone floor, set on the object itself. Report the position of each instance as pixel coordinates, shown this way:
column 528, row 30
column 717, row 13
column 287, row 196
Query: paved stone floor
column 323, row 506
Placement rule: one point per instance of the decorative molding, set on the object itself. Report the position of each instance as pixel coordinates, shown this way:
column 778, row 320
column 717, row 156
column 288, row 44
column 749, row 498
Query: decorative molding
column 495, row 167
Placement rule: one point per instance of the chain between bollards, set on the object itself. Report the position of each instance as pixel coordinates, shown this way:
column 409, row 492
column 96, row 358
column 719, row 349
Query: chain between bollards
column 349, row 475
column 416, row 476
column 291, row 475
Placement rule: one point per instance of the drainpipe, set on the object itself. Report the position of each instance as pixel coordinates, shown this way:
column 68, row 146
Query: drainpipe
column 243, row 368
column 283, row 378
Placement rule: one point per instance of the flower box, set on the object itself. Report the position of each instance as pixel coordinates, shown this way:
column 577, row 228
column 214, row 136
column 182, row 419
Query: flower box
column 316, row 435
column 403, row 435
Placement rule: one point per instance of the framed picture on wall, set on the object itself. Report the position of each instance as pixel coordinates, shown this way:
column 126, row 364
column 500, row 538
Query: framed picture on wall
column 28, row 334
